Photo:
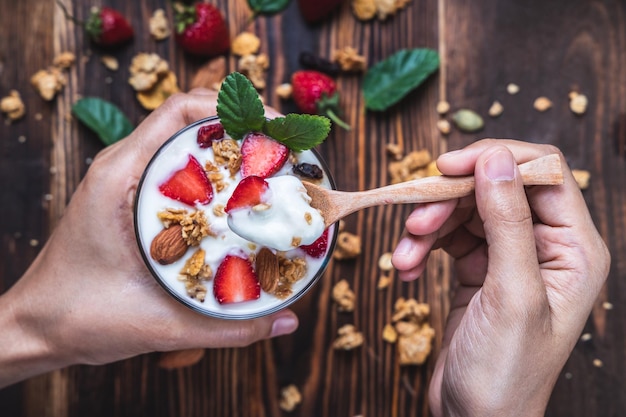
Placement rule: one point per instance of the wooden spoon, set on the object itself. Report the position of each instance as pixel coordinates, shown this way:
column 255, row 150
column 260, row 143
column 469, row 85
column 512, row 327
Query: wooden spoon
column 335, row 205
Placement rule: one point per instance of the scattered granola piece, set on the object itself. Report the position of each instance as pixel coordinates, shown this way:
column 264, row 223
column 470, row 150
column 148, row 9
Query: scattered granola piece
column 344, row 296
column 409, row 167
column 443, row 107
column 159, row 26
column 386, row 8
column 468, row 120
column 195, row 225
column 290, row 397
column 348, row 246
column 155, row 96
column 364, row 9
column 414, row 333
column 512, row 88
column 585, row 337
column 444, row 126
column 349, row 60
column 578, row 102
column 496, row 109
column 284, row 91
column 582, row 178
column 110, row 62
column 254, row 67
column 146, row 70
column 542, row 103
column 389, row 333
column 383, row 282
column 64, row 60
column 384, row 262
column 348, row 338
column 245, row 43
column 48, row 82
column 291, row 270
column 607, row 306
column 598, row 363
column 395, row 151
column 13, row 106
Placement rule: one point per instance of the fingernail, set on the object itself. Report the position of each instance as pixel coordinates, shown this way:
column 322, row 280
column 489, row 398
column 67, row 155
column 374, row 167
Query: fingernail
column 403, row 248
column 284, row 325
column 500, row 166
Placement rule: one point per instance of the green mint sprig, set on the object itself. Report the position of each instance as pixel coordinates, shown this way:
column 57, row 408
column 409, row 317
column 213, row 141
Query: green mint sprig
column 240, row 111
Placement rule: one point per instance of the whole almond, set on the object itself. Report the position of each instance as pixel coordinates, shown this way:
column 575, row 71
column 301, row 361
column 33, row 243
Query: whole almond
column 168, row 246
column 267, row 270
column 180, row 358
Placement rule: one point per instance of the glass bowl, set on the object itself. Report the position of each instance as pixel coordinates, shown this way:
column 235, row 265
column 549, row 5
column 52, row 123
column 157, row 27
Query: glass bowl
column 173, row 155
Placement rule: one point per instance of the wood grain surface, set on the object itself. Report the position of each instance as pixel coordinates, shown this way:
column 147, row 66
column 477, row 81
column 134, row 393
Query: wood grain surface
column 548, row 48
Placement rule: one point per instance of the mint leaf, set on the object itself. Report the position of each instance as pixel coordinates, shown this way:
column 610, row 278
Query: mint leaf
column 298, row 132
column 268, row 7
column 239, row 107
column 104, row 118
column 390, row 80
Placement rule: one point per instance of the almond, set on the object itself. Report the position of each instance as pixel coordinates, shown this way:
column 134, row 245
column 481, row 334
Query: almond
column 168, row 246
column 180, row 358
column 266, row 266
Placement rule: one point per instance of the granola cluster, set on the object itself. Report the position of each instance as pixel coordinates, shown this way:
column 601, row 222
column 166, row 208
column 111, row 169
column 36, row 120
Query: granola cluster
column 152, row 79
column 410, row 330
column 195, row 225
column 13, row 106
column 50, row 81
column 343, row 296
column 194, row 273
column 416, row 164
column 348, row 338
column 290, row 397
column 381, row 9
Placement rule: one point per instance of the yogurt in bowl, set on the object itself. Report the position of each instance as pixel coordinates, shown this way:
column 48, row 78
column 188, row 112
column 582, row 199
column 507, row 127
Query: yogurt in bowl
column 225, row 226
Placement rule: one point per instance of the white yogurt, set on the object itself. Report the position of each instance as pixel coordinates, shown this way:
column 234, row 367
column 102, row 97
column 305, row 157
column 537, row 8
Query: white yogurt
column 284, row 203
column 150, row 201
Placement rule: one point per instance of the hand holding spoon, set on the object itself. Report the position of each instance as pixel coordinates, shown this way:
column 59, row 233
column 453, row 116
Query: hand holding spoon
column 335, row 205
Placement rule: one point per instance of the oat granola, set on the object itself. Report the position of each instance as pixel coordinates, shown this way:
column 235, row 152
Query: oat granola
column 343, row 296
column 348, row 246
column 348, row 338
column 13, row 106
column 290, row 397
column 159, row 26
column 409, row 328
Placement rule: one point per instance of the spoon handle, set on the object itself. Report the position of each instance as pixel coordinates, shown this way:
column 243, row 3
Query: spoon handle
column 545, row 170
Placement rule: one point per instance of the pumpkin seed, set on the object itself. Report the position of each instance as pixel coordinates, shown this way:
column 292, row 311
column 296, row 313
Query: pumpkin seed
column 467, row 120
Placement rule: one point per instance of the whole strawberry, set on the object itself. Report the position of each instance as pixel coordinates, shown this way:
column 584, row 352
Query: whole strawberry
column 108, row 27
column 201, row 29
column 316, row 93
column 105, row 26
column 314, row 11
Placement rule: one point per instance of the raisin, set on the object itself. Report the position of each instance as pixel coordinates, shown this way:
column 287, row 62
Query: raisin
column 307, row 170
column 311, row 61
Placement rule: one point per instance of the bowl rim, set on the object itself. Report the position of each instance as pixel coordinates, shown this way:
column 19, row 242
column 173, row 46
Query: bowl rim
column 186, row 300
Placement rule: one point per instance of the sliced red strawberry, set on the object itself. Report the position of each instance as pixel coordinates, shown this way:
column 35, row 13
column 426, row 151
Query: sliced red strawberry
column 262, row 156
column 248, row 193
column 189, row 185
column 235, row 281
column 207, row 134
column 318, row 248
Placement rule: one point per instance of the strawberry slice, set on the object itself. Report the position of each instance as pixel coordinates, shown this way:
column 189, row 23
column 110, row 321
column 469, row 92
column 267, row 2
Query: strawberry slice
column 189, row 185
column 248, row 193
column 262, row 156
column 317, row 249
column 207, row 134
column 235, row 281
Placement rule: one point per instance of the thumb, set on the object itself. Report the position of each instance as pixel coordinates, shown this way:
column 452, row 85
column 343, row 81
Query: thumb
column 513, row 271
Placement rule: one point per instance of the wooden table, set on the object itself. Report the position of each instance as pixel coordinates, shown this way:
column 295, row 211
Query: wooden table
column 548, row 48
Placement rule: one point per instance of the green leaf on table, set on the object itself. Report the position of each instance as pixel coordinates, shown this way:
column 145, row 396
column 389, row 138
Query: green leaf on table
column 390, row 80
column 239, row 107
column 104, row 118
column 268, row 7
column 298, row 132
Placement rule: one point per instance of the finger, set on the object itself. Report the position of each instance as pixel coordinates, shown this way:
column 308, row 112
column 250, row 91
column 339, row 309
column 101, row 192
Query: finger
column 462, row 162
column 225, row 333
column 514, row 277
column 428, row 218
column 411, row 251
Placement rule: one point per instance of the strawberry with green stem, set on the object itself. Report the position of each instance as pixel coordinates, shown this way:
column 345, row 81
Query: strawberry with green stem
column 105, row 26
column 201, row 29
column 316, row 93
